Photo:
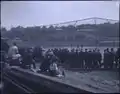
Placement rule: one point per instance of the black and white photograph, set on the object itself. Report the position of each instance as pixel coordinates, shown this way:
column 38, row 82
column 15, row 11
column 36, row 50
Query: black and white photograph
column 59, row 47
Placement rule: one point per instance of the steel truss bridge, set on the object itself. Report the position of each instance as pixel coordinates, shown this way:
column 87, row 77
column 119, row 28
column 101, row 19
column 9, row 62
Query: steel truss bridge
column 93, row 20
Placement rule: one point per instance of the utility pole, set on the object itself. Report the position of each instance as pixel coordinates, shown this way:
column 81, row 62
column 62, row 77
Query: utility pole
column 97, row 37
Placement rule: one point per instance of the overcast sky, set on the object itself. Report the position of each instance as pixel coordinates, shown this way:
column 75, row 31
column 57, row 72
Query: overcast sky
column 30, row 13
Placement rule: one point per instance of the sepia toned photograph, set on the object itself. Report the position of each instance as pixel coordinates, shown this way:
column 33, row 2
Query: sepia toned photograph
column 59, row 47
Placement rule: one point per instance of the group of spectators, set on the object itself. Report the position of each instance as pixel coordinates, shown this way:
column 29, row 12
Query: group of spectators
column 79, row 58
column 74, row 58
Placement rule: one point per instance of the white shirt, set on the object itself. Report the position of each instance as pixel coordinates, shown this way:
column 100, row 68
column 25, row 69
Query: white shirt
column 16, row 56
column 12, row 51
column 53, row 66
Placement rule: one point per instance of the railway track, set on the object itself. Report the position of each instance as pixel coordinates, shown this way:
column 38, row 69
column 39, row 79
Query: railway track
column 20, row 86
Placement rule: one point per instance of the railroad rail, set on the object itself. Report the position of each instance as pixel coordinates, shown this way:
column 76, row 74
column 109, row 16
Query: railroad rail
column 19, row 85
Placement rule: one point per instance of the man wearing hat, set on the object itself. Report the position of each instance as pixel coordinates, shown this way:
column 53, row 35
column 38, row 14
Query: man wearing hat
column 49, row 63
column 46, row 62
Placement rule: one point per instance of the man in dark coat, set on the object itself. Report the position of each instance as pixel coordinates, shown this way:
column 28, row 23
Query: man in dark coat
column 106, row 59
column 99, row 58
column 81, row 59
column 90, row 59
column 73, row 63
column 94, row 59
column 28, row 59
column 112, row 58
column 46, row 62
column 86, row 59
column 117, row 58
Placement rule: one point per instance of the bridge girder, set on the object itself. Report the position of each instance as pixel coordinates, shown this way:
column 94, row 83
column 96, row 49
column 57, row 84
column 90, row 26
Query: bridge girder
column 94, row 20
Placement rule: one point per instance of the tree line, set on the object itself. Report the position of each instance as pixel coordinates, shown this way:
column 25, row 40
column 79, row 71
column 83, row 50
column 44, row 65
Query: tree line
column 69, row 33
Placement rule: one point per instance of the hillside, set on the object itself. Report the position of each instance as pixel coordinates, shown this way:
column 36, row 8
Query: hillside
column 86, row 34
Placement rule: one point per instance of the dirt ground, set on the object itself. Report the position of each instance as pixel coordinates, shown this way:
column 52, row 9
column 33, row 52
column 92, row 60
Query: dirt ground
column 102, row 81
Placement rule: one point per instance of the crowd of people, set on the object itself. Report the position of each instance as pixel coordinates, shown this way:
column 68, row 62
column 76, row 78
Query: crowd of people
column 75, row 58
column 80, row 57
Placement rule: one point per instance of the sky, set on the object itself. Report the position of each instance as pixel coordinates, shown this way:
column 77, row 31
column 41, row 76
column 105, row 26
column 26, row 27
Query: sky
column 36, row 13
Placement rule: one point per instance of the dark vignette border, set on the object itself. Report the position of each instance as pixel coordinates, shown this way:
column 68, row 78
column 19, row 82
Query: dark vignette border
column 58, row 0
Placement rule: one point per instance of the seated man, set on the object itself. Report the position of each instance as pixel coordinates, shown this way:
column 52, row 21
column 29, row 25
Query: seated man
column 53, row 67
column 54, row 70
column 14, row 55
column 50, row 65
column 16, row 60
column 46, row 62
